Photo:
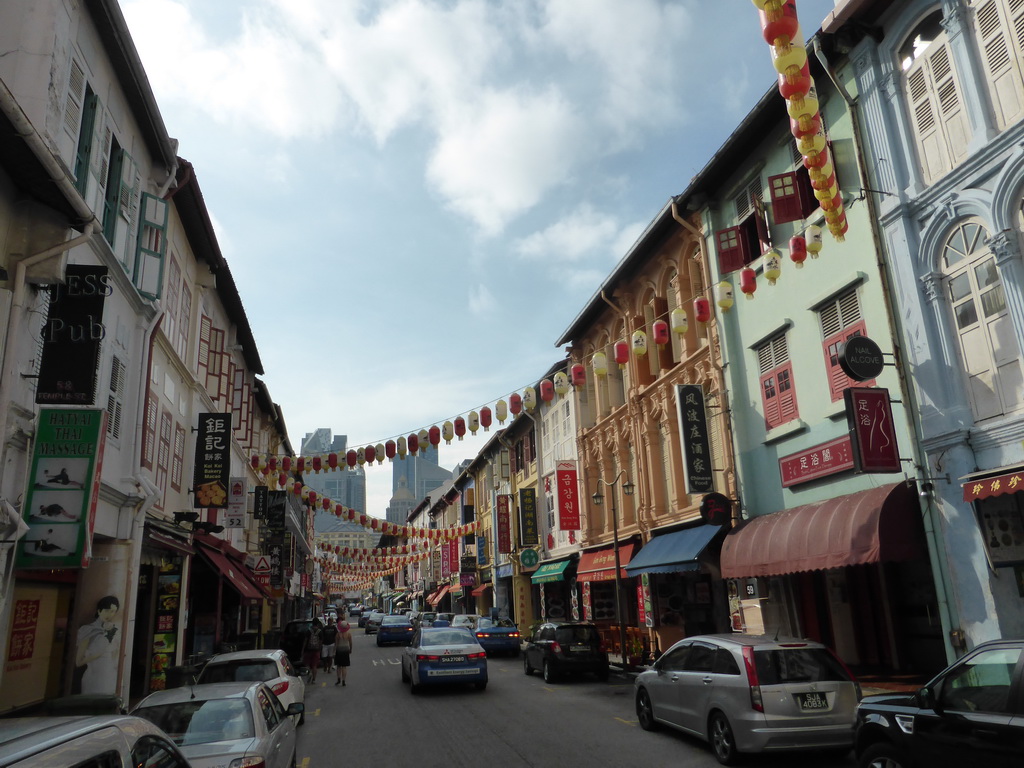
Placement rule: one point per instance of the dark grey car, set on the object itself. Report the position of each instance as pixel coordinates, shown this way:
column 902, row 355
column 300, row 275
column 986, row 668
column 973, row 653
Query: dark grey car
column 558, row 648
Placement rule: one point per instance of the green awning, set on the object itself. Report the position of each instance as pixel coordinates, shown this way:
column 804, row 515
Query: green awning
column 550, row 572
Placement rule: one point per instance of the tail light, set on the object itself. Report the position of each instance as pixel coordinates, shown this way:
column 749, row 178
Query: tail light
column 856, row 683
column 426, row 657
column 280, row 688
column 513, row 634
column 482, row 634
column 476, row 656
column 755, row 686
column 555, row 647
column 248, row 762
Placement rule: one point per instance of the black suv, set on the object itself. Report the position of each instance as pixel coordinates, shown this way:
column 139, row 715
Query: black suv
column 560, row 647
column 971, row 713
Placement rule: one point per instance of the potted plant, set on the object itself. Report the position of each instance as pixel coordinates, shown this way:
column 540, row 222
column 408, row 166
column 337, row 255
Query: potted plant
column 634, row 651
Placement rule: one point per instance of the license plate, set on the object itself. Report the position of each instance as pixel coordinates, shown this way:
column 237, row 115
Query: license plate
column 452, row 659
column 579, row 648
column 812, row 702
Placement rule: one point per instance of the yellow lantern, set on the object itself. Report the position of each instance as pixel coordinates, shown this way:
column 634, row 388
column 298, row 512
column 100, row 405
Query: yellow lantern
column 561, row 384
column 402, row 447
column 448, row 432
column 380, row 452
column 361, row 456
column 530, row 398
column 680, row 321
column 474, row 422
column 814, row 242
column 424, row 437
column 639, row 343
column 772, row 266
column 724, row 295
column 600, row 363
column 501, row 411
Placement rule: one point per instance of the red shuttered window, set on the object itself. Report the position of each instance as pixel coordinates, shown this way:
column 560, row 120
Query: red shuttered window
column 778, row 392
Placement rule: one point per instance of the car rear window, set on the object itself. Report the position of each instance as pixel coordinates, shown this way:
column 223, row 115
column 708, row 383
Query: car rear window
column 239, row 671
column 576, row 635
column 454, row 636
column 797, row 665
column 399, row 620
column 201, row 722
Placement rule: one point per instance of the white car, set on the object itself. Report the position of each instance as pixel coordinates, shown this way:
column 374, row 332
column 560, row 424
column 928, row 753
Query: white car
column 269, row 665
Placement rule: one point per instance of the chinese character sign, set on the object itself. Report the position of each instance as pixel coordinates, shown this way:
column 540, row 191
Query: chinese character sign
column 213, row 461
column 568, row 496
column 529, row 536
column 869, row 415
column 693, row 433
column 481, row 550
column 446, row 560
column 504, row 525
column 24, row 622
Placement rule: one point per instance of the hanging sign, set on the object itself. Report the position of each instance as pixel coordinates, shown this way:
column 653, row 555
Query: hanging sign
column 261, row 497
column 213, row 461
column 446, row 560
column 869, row 415
column 861, row 358
column 60, row 504
column 693, row 431
column 235, row 517
column 504, row 525
column 481, row 550
column 529, row 535
column 567, row 491
column 277, row 507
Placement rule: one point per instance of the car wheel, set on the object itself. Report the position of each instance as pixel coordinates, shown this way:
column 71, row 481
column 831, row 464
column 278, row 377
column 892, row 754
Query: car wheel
column 302, row 718
column 723, row 742
column 414, row 687
column 379, row 643
column 481, row 686
column 405, row 675
column 645, row 711
column 883, row 755
column 527, row 669
column 549, row 673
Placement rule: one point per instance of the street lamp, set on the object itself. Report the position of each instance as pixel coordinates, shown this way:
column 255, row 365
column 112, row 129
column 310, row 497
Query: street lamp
column 627, row 488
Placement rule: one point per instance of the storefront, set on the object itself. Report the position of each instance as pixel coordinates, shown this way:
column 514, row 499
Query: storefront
column 678, row 590
column 554, row 589
column 597, row 581
column 851, row 572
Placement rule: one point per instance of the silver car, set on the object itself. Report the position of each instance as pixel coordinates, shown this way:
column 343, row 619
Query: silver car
column 269, row 665
column 746, row 693
column 221, row 724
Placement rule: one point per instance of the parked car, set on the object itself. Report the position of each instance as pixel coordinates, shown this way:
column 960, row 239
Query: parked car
column 443, row 656
column 270, row 666
column 373, row 622
column 223, row 724
column 750, row 693
column 557, row 648
column 363, row 618
column 497, row 635
column 354, row 611
column 394, row 629
column 971, row 713
column 424, row 619
column 106, row 740
column 467, row 620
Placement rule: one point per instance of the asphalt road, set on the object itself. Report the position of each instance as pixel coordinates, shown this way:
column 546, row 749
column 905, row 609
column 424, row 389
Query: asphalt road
column 518, row 721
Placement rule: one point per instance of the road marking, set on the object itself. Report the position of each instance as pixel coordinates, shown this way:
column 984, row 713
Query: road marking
column 316, row 712
column 394, row 661
column 627, row 722
column 304, row 762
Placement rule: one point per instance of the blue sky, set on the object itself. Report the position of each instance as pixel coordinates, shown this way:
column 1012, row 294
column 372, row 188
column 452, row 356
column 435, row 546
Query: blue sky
column 416, row 197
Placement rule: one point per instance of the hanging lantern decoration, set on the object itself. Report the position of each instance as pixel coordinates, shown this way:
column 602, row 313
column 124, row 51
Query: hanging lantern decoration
column 748, row 282
column 401, row 448
column 485, row 418
column 255, row 461
column 814, row 242
column 702, row 309
column 724, row 295
column 282, row 479
column 639, row 343
column 434, row 435
column 530, row 398
column 803, row 113
column 332, row 461
column 680, row 321
column 600, row 363
column 561, row 384
column 300, row 465
column 272, row 464
column 501, row 411
column 578, row 371
column 659, row 330
column 378, row 451
column 515, row 403
column 390, row 449
column 286, row 463
column 778, row 20
column 473, row 423
column 309, row 495
column 351, row 459
column 447, row 432
column 547, row 390
column 317, row 464
column 414, row 444
column 297, row 488
column 621, row 353
column 460, row 427
column 369, row 453
column 798, row 250
column 424, row 440
column 772, row 266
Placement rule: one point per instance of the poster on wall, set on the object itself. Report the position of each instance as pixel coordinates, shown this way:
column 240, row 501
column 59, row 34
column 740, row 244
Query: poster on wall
column 165, row 631
column 60, row 503
column 588, row 611
column 99, row 618
column 30, row 638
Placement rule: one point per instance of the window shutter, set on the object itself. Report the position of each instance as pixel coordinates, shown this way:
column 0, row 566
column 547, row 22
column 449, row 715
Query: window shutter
column 163, row 454
column 732, row 248
column 115, row 397
column 785, row 198
column 149, row 255
column 99, row 160
column 805, row 193
column 184, row 322
column 149, row 430
column 178, row 460
column 205, row 331
column 770, row 400
column 215, row 362
column 787, row 394
column 74, row 101
column 126, row 235
column 1000, row 31
column 527, row 451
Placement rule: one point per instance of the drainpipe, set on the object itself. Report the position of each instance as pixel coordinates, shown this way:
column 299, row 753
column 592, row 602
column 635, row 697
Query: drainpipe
column 936, row 549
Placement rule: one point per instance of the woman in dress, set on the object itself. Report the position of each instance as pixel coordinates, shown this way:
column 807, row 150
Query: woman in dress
column 98, row 647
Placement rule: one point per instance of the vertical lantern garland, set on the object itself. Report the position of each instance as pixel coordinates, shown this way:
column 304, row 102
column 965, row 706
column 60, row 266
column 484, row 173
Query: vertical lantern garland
column 780, row 28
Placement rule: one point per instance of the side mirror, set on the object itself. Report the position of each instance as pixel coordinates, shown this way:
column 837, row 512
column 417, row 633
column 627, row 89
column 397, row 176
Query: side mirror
column 295, row 708
column 926, row 699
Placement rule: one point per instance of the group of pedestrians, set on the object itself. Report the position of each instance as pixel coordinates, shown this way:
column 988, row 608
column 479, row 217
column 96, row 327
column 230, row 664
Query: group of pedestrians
column 329, row 647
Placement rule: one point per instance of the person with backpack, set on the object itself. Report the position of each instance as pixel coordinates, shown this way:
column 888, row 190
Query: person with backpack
column 311, row 654
column 328, row 637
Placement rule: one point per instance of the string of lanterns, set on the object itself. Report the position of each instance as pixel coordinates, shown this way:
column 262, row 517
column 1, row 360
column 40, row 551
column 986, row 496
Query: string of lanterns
column 358, row 553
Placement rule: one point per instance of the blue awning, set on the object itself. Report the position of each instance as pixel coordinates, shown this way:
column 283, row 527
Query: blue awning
column 673, row 552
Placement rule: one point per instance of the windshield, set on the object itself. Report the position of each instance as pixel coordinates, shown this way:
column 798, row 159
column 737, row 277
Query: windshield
column 447, row 637
column 797, row 665
column 239, row 671
column 200, row 722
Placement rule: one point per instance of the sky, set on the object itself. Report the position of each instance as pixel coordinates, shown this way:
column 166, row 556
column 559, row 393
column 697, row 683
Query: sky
column 417, row 197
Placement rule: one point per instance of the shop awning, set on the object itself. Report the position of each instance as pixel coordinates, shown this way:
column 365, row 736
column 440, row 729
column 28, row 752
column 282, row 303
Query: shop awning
column 548, row 572
column 877, row 525
column 435, row 598
column 671, row 552
column 233, row 572
column 989, row 484
column 599, row 565
column 481, row 589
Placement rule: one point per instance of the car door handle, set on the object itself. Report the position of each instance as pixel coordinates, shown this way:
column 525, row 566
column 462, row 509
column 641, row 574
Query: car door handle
column 707, row 680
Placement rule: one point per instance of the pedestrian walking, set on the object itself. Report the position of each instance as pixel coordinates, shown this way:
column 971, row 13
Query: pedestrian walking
column 329, row 637
column 343, row 652
column 311, row 654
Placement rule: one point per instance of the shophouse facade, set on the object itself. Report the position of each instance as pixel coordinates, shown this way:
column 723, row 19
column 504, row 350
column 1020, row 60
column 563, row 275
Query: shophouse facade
column 939, row 92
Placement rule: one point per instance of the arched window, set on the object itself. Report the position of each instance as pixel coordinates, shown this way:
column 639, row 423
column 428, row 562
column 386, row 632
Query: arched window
column 937, row 117
column 988, row 342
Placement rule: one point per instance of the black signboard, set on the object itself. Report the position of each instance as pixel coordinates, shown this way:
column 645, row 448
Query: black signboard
column 860, row 358
column 716, row 509
column 468, row 513
column 275, row 554
column 259, row 502
column 529, row 535
column 71, row 337
column 213, row 461
column 693, row 432
column 277, row 506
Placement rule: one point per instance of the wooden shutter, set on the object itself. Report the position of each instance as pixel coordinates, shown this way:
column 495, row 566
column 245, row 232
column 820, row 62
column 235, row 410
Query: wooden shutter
column 205, row 331
column 733, row 249
column 937, row 110
column 178, row 459
column 1000, row 30
column 184, row 321
column 149, row 430
column 99, row 162
column 152, row 243
column 784, row 196
column 215, row 363
column 840, row 320
column 778, row 394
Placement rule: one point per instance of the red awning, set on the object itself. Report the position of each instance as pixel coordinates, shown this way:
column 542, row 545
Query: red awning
column 878, row 525
column 599, row 565
column 996, row 485
column 435, row 598
column 481, row 589
column 235, row 573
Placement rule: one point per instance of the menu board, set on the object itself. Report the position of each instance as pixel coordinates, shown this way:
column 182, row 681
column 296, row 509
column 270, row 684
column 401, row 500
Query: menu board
column 165, row 627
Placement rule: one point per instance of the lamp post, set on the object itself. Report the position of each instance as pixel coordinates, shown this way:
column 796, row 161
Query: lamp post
column 627, row 488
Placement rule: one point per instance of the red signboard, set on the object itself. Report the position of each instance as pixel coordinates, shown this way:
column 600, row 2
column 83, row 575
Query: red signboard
column 504, row 525
column 453, row 554
column 993, row 486
column 820, row 461
column 869, row 415
column 24, row 622
column 568, row 496
column 446, row 560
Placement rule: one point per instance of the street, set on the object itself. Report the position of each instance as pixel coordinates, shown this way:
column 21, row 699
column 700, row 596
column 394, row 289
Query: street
column 517, row 721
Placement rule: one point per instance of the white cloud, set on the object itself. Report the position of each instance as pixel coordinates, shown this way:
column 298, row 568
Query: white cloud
column 481, row 301
column 585, row 234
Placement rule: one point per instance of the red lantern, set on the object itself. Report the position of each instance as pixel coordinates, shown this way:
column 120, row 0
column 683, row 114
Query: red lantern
column 515, row 403
column 547, row 390
column 798, row 85
column 272, row 464
column 297, row 488
column 435, row 436
column 370, row 453
column 660, row 332
column 808, row 125
column 701, row 309
column 255, row 461
column 414, row 443
column 579, row 375
column 389, row 449
column 326, row 503
column 352, row 458
column 780, row 22
column 282, row 478
column 798, row 250
column 485, row 418
column 286, row 463
column 317, row 463
column 621, row 353
column 748, row 281
column 300, row 464
column 460, row 427
column 312, row 497
column 332, row 460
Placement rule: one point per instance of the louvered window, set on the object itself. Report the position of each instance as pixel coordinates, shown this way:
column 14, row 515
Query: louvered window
column 178, row 459
column 999, row 27
column 840, row 320
column 152, row 244
column 205, row 331
column 149, row 430
column 778, row 394
column 115, row 397
column 739, row 245
column 163, row 452
column 184, row 322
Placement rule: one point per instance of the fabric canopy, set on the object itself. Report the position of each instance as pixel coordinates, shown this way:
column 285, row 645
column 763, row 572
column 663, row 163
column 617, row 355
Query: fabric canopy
column 599, row 565
column 234, row 573
column 481, row 589
column 549, row 572
column 878, row 525
column 435, row 598
column 670, row 552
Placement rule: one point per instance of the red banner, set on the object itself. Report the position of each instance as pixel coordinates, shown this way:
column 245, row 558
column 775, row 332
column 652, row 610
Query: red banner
column 453, row 555
column 869, row 415
column 568, row 496
column 993, row 486
column 821, row 460
column 446, row 560
column 504, row 525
